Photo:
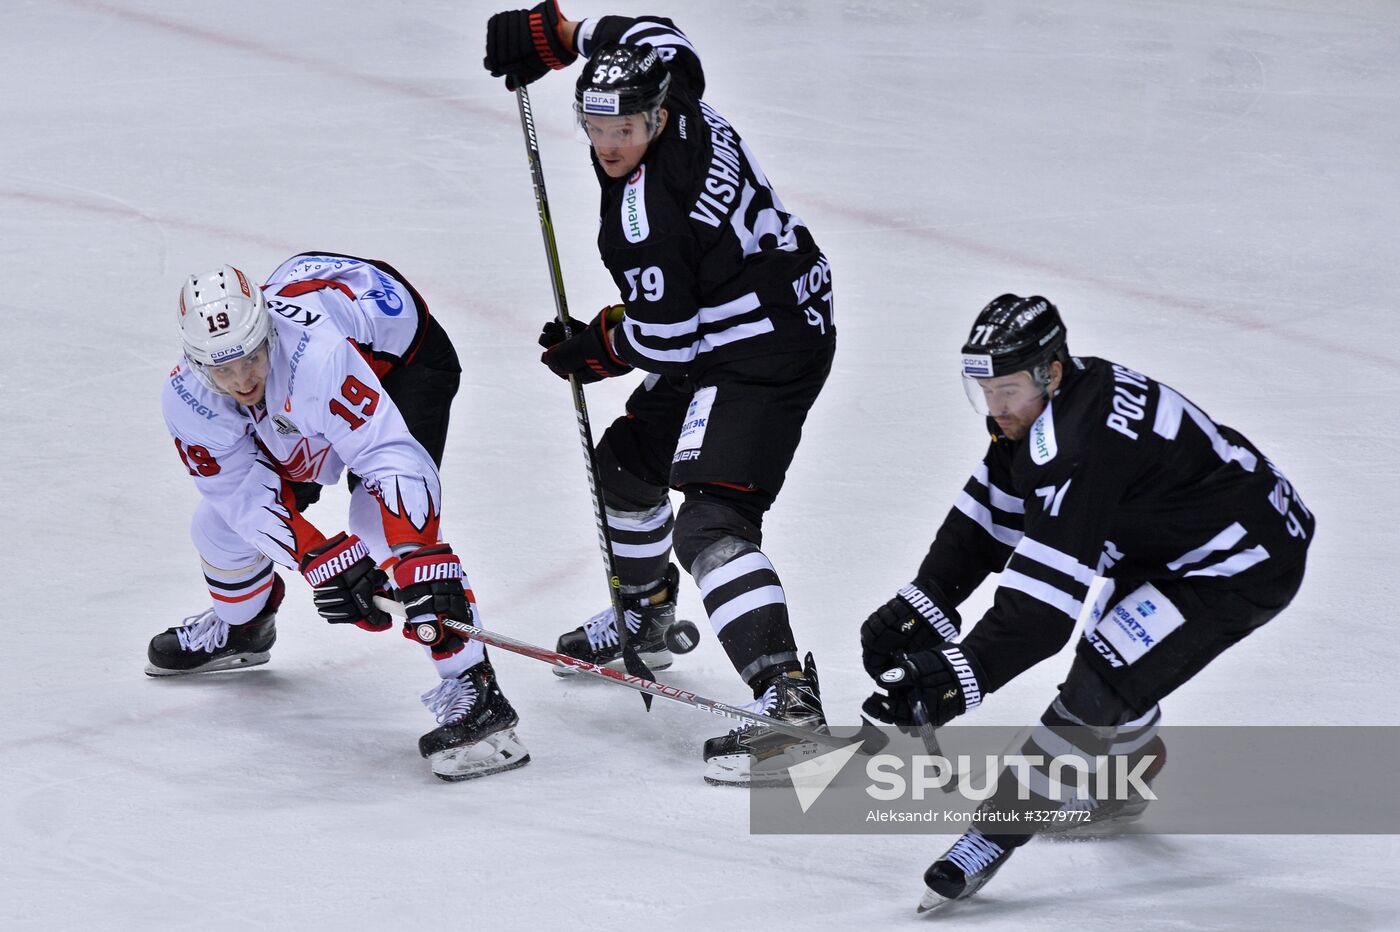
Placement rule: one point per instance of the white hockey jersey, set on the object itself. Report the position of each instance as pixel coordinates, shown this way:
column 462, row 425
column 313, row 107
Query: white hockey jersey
column 338, row 324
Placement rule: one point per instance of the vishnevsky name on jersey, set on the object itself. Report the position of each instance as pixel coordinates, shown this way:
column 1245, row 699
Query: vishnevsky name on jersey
column 722, row 178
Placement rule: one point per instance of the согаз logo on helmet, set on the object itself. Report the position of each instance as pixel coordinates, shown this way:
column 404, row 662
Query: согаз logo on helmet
column 233, row 352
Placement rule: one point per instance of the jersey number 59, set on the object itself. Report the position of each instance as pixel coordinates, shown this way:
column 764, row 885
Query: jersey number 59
column 651, row 280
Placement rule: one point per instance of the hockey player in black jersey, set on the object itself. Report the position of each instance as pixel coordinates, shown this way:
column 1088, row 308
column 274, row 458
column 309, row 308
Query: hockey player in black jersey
column 1094, row 470
column 726, row 305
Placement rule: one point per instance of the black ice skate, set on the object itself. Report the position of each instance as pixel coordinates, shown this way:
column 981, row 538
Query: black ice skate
column 754, row 755
column 206, row 643
column 1105, row 818
column 596, row 639
column 962, row 871
column 476, row 732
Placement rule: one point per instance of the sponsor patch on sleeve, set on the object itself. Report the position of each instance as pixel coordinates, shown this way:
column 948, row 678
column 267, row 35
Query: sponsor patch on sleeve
column 1042, row 438
column 634, row 207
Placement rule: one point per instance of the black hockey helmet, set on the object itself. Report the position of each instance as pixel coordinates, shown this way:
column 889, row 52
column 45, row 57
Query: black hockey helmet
column 621, row 79
column 1015, row 334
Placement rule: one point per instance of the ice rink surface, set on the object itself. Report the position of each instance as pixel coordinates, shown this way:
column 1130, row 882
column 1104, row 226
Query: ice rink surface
column 1209, row 190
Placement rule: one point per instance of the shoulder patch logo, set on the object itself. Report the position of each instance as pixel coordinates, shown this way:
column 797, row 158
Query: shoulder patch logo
column 634, row 207
column 1042, row 438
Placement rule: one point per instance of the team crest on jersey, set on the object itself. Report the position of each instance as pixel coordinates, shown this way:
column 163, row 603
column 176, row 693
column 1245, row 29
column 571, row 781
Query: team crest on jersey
column 303, row 465
column 284, row 425
column 634, row 207
column 1042, row 438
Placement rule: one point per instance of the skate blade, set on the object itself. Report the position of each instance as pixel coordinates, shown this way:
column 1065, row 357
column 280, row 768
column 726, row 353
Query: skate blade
column 932, row 902
column 740, row 770
column 730, row 770
column 493, row 754
column 656, row 661
column 231, row 662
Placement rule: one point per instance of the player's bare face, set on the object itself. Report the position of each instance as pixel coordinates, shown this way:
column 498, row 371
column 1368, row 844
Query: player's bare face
column 620, row 142
column 1014, row 402
column 245, row 379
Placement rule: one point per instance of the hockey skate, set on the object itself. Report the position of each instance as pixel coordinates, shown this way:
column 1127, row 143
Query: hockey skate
column 754, row 755
column 962, row 871
column 1106, row 818
column 205, row 643
column 475, row 736
column 647, row 625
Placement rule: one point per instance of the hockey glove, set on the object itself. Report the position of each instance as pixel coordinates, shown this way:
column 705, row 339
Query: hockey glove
column 914, row 620
column 344, row 581
column 947, row 680
column 581, row 350
column 523, row 45
column 305, row 494
column 430, row 587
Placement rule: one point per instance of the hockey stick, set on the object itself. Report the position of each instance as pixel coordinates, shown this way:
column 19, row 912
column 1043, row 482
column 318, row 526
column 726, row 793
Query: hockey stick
column 630, row 657
column 929, row 735
column 644, row 685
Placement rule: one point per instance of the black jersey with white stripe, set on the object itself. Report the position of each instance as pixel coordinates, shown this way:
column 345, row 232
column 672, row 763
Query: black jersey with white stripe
column 710, row 265
column 1121, row 477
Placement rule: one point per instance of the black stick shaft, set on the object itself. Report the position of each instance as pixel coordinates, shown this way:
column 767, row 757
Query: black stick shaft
column 630, row 657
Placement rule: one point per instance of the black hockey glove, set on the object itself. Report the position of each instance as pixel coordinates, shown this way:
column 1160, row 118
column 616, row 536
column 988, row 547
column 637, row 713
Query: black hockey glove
column 344, row 581
column 947, row 680
column 305, row 494
column 430, row 587
column 580, row 350
column 523, row 45
column 917, row 619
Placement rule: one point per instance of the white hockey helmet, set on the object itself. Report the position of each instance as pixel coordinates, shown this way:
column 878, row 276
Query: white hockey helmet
column 223, row 317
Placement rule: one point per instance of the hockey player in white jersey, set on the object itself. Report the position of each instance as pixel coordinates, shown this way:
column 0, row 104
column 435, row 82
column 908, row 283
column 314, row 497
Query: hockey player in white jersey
column 335, row 363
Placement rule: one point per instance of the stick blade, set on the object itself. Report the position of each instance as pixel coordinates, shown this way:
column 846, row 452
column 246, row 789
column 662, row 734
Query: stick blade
column 635, row 666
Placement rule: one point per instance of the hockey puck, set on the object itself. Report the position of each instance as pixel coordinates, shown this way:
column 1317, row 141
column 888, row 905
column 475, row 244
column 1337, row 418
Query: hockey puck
column 682, row 637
